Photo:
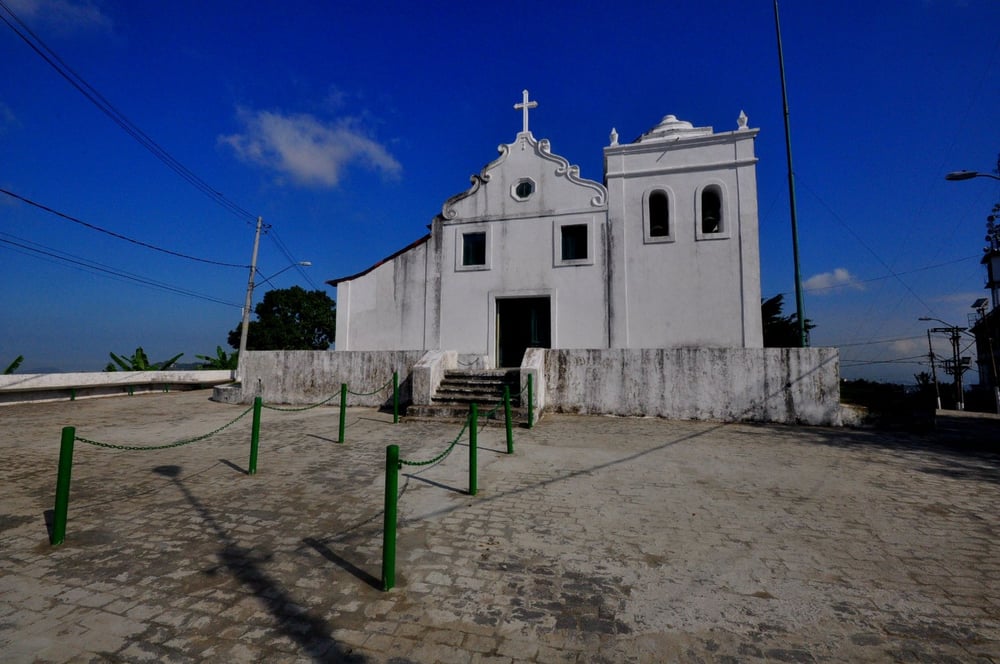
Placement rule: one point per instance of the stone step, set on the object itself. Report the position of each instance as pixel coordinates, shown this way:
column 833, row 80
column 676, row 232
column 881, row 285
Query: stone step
column 472, row 396
column 459, row 413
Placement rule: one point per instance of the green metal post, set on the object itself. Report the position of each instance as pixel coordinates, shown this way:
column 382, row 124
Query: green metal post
column 72, row 394
column 531, row 402
column 507, row 418
column 343, row 412
column 473, row 435
column 389, row 527
column 62, row 485
column 395, row 397
column 254, row 437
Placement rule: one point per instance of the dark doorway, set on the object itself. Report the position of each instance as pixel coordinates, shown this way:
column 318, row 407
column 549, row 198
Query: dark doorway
column 522, row 323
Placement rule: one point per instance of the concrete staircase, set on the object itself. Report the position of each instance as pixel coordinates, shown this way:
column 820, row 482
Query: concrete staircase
column 460, row 388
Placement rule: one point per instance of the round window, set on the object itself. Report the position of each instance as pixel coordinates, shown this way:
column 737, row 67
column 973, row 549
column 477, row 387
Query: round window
column 524, row 189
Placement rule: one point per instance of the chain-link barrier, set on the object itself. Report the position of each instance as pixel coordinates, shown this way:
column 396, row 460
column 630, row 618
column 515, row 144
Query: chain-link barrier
column 404, row 462
column 299, row 410
column 179, row 443
column 368, row 394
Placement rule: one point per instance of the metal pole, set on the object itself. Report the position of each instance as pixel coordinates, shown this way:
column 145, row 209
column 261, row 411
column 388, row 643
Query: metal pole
column 799, row 308
column 343, row 412
column 473, row 437
column 389, row 524
column 937, row 390
column 245, row 327
column 507, row 419
column 254, row 437
column 62, row 485
column 531, row 403
column 395, row 397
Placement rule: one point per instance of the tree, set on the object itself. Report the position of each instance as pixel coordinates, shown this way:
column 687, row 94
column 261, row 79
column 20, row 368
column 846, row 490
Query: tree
column 139, row 362
column 222, row 360
column 781, row 331
column 290, row 319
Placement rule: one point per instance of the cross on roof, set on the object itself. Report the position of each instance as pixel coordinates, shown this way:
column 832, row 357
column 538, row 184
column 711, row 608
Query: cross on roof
column 524, row 106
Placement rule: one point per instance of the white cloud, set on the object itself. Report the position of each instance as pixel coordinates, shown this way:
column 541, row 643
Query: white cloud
column 311, row 152
column 908, row 346
column 827, row 281
column 61, row 15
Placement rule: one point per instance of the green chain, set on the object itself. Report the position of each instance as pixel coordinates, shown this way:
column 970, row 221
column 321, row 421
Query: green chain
column 179, row 443
column 403, row 462
column 297, row 410
column 368, row 394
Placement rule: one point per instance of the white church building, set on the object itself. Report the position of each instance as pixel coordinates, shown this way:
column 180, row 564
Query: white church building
column 662, row 254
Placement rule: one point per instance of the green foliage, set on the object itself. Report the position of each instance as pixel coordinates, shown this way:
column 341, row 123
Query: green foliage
column 291, row 319
column 13, row 365
column 781, row 331
column 139, row 362
column 222, row 360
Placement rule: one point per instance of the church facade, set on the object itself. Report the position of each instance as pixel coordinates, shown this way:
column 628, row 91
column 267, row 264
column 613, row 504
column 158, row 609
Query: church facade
column 663, row 253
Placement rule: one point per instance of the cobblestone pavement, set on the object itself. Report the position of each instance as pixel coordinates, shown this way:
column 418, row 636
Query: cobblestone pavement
column 599, row 539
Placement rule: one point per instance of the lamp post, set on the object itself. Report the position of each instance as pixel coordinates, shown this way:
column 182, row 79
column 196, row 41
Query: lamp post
column 954, row 176
column 957, row 363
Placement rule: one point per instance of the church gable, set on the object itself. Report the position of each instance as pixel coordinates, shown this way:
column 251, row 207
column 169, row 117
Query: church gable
column 527, row 180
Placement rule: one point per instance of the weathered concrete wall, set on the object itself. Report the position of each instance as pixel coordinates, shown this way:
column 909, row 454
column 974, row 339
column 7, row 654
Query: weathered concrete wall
column 429, row 372
column 308, row 377
column 728, row 384
column 20, row 388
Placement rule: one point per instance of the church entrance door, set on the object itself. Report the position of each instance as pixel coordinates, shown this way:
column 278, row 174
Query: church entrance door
column 522, row 323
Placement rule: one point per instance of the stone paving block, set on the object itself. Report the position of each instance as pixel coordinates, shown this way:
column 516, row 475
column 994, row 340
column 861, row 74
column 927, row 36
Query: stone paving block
column 602, row 539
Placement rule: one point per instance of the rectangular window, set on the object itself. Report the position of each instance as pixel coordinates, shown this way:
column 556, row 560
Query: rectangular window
column 474, row 248
column 574, row 242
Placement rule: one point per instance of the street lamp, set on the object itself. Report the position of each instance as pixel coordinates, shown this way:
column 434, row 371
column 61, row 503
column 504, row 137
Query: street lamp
column 299, row 264
column 957, row 363
column 968, row 175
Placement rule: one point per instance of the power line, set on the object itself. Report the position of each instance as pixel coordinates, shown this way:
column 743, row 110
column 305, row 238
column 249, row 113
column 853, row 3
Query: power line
column 106, row 107
column 25, row 247
column 288, row 255
column 114, row 234
column 889, row 276
column 877, row 341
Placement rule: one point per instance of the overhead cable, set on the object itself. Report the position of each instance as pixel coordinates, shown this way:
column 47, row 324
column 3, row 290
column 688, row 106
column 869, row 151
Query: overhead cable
column 24, row 247
column 106, row 107
column 114, row 234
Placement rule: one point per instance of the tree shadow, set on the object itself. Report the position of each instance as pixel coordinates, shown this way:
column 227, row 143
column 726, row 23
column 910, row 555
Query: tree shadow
column 311, row 633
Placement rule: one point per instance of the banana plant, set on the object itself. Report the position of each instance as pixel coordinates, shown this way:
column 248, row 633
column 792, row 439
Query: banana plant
column 13, row 365
column 139, row 362
column 222, row 359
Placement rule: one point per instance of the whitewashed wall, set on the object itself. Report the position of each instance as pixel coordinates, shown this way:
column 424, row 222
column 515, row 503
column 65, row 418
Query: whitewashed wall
column 790, row 385
column 305, row 377
column 786, row 385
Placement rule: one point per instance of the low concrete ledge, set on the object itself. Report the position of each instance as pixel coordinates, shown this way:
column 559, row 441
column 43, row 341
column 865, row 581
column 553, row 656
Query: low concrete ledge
column 22, row 388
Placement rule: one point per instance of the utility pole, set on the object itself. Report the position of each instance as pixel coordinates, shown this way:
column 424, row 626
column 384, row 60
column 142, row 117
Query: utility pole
column 799, row 307
column 937, row 390
column 244, row 328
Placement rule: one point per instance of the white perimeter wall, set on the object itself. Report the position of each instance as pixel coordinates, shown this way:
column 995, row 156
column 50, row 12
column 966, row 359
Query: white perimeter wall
column 305, row 377
column 727, row 384
column 789, row 385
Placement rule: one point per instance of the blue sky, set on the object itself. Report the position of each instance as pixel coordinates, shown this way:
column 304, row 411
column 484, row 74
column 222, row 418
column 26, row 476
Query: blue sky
column 347, row 125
